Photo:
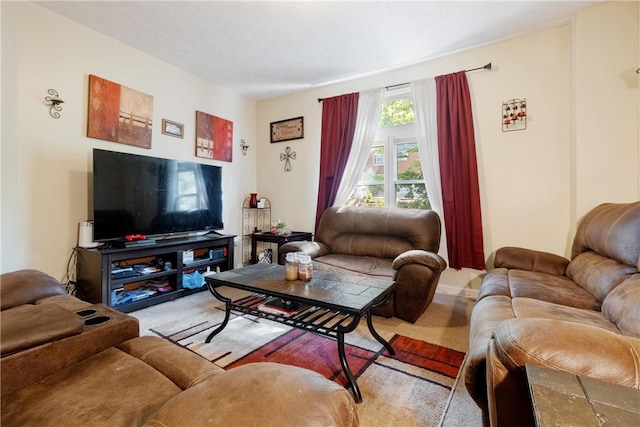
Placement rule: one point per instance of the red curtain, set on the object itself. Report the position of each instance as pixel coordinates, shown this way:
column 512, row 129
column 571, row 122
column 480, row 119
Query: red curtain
column 459, row 172
column 338, row 126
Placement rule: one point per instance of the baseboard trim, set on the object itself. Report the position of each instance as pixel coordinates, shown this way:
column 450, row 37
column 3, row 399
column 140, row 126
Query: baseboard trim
column 453, row 290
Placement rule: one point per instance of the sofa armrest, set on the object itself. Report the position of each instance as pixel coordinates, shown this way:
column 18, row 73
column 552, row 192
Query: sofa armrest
column 313, row 249
column 27, row 287
column 571, row 347
column 428, row 259
column 417, row 275
column 530, row 260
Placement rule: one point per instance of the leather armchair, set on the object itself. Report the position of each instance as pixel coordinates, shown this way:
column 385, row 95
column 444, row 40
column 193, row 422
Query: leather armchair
column 400, row 244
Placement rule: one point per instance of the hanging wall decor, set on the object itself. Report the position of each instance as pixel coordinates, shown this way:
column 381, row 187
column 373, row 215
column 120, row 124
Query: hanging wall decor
column 214, row 137
column 118, row 113
column 514, row 115
column 286, row 157
column 172, row 128
column 287, row 130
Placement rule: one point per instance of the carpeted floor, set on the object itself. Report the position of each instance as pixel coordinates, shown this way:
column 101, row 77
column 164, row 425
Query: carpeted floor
column 416, row 401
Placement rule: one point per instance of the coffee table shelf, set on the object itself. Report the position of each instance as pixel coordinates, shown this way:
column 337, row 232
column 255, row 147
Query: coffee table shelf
column 320, row 320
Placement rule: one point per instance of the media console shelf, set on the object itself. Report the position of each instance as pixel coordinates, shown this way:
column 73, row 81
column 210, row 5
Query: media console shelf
column 117, row 277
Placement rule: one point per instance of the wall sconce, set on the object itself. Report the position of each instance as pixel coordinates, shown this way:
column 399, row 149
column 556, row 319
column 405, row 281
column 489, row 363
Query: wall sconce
column 54, row 101
column 514, row 115
column 244, row 147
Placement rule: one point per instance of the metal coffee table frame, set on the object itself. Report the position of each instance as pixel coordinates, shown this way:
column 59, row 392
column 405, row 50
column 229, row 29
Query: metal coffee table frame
column 316, row 315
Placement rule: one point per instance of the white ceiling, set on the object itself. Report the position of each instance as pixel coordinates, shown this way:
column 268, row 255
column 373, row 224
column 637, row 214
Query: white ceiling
column 263, row 49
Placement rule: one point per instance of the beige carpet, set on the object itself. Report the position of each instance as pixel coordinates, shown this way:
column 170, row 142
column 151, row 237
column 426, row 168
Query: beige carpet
column 445, row 323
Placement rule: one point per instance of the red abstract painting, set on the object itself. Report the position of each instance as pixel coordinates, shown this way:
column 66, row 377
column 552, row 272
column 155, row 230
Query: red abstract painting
column 119, row 114
column 214, row 137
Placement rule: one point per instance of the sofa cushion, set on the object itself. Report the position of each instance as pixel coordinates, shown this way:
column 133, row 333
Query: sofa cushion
column 184, row 368
column 111, row 388
column 597, row 274
column 27, row 287
column 528, row 308
column 542, row 286
column 28, row 326
column 261, row 394
column 372, row 266
column 622, row 306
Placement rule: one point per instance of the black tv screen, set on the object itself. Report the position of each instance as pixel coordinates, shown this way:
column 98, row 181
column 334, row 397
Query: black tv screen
column 135, row 194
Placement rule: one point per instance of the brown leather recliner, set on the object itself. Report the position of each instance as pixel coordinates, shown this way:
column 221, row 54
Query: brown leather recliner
column 580, row 316
column 400, row 244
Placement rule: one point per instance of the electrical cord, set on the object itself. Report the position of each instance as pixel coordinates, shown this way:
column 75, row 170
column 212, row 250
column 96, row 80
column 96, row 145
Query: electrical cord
column 69, row 278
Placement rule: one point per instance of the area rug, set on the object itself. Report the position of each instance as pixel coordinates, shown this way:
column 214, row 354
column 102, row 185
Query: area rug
column 411, row 388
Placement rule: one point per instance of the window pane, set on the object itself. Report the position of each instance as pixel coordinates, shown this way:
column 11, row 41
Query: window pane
column 397, row 112
column 186, row 182
column 369, row 195
column 412, row 196
column 374, row 170
column 408, row 162
column 186, row 203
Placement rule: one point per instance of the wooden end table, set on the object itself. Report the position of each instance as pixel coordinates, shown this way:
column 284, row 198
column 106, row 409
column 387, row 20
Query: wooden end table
column 295, row 236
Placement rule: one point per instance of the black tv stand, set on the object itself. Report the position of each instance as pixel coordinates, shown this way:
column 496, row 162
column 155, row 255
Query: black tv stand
column 100, row 278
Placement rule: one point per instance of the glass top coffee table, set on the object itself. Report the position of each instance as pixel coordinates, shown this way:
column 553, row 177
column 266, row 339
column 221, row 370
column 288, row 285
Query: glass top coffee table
column 330, row 304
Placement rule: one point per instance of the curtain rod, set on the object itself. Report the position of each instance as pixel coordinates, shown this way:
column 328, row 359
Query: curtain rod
column 484, row 67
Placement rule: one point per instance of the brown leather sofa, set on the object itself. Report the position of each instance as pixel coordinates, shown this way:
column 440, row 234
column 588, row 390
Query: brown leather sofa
column 400, row 244
column 66, row 362
column 581, row 316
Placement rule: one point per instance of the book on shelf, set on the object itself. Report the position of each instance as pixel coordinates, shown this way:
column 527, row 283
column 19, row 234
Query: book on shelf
column 160, row 285
column 279, row 306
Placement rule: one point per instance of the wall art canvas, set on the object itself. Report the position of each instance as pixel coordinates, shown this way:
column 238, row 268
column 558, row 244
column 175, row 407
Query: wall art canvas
column 119, row 114
column 214, row 137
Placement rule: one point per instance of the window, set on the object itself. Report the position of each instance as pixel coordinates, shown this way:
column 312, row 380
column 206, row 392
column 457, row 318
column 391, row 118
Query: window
column 187, row 189
column 393, row 174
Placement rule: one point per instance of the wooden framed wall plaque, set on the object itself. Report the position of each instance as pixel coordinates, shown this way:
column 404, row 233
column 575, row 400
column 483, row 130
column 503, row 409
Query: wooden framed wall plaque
column 286, row 130
column 172, row 128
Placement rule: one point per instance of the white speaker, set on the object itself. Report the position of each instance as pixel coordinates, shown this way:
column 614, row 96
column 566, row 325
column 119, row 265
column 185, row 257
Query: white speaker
column 85, row 235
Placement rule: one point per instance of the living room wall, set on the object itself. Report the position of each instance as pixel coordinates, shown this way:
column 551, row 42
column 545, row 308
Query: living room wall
column 46, row 162
column 581, row 146
column 535, row 184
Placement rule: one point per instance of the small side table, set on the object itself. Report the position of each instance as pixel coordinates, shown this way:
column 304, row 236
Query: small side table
column 295, row 236
column 561, row 398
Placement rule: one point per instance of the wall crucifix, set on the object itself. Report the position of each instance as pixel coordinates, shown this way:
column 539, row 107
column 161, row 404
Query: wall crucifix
column 287, row 156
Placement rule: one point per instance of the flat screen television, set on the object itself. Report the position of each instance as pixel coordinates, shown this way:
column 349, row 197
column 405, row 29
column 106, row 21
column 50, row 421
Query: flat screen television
column 135, row 194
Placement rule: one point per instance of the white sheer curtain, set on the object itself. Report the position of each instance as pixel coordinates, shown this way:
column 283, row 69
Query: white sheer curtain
column 425, row 112
column 369, row 103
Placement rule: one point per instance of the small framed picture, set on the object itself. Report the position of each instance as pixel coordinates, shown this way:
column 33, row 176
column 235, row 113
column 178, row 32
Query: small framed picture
column 286, row 130
column 172, row 128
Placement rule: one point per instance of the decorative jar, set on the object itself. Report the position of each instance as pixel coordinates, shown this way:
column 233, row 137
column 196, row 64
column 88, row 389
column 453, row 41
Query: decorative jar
column 305, row 268
column 291, row 266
